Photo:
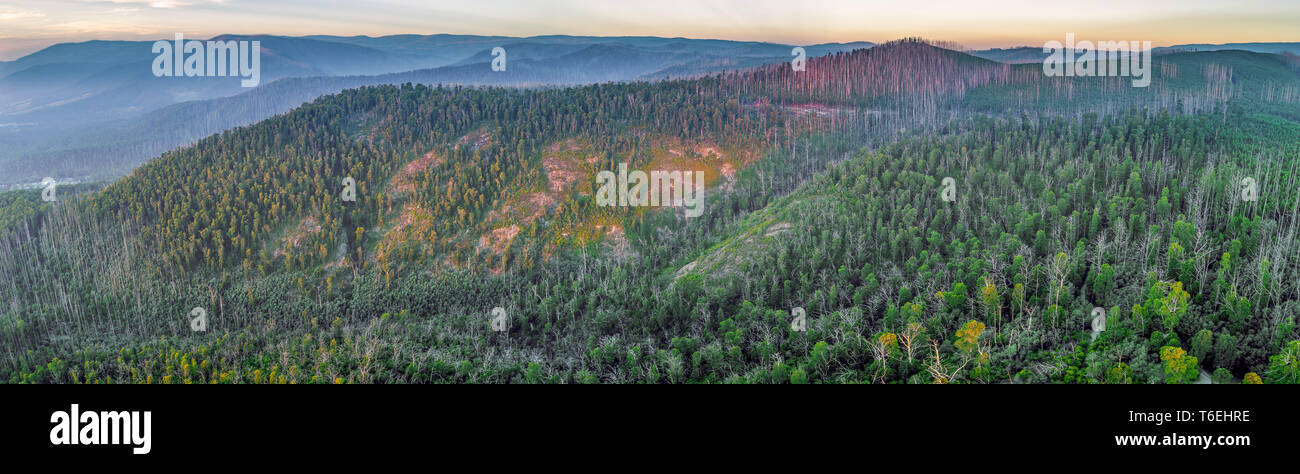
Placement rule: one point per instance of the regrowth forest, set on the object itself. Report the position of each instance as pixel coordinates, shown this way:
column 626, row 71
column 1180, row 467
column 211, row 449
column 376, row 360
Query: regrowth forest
column 900, row 214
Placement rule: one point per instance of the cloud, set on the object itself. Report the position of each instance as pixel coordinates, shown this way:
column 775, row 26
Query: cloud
column 10, row 14
column 157, row 3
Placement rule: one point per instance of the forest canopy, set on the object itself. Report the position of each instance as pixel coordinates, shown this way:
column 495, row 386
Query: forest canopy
column 986, row 224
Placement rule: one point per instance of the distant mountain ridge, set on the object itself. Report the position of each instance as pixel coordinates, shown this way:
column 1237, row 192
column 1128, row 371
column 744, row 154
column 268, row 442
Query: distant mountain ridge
column 61, row 108
column 1028, row 54
column 93, row 110
column 1271, row 48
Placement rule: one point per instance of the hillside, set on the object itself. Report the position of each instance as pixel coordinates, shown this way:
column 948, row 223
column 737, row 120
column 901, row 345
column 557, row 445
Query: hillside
column 1111, row 220
column 823, row 193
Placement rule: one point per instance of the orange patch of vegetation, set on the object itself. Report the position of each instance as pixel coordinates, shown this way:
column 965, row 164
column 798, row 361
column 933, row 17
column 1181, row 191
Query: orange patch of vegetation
column 560, row 174
column 404, row 181
column 336, row 264
column 567, row 162
column 500, row 238
column 411, row 235
column 420, row 164
column 568, row 144
column 617, row 240
column 597, row 229
column 727, row 171
column 715, row 161
column 306, row 229
column 476, row 140
column 564, row 167
column 522, row 210
column 541, row 199
column 569, row 165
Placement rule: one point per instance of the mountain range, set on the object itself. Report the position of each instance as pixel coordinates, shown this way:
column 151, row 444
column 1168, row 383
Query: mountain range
column 93, row 110
column 900, row 214
column 1033, row 54
column 63, row 109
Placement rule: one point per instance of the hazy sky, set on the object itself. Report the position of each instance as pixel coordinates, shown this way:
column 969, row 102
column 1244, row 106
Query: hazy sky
column 28, row 25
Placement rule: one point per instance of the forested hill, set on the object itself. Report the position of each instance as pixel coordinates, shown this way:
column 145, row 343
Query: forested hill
column 825, row 193
column 1137, row 219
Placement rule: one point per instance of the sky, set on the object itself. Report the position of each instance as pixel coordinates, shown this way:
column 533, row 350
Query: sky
column 29, row 25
